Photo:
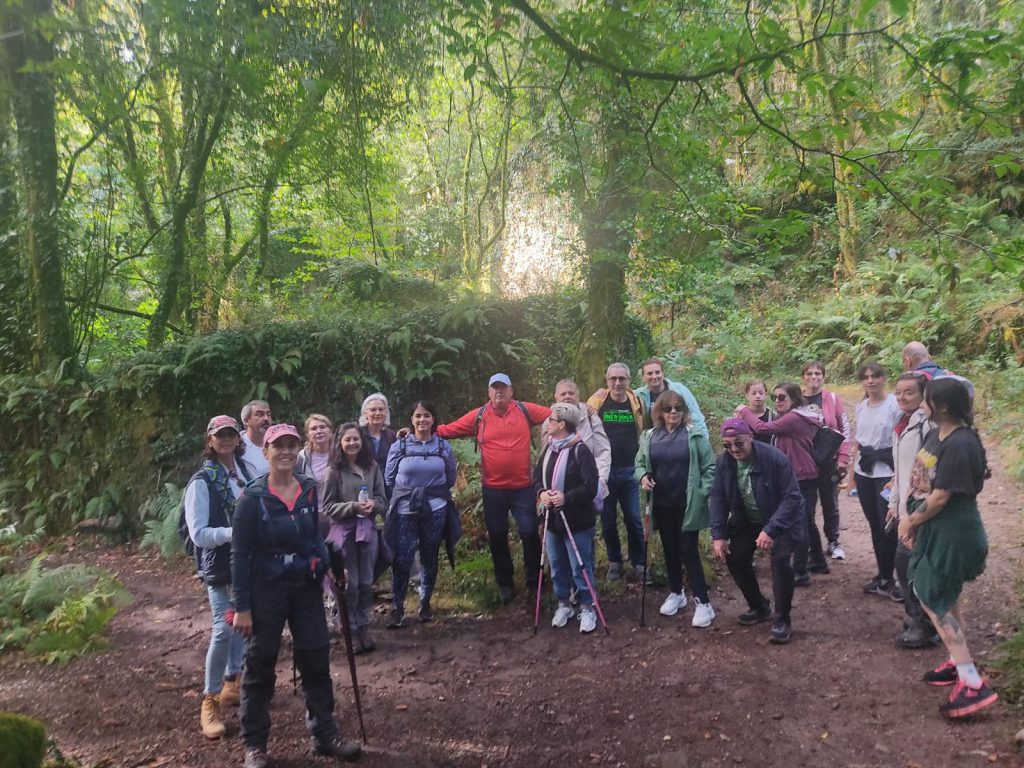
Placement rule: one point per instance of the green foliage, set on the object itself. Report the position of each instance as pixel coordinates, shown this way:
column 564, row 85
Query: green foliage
column 22, row 741
column 59, row 613
column 160, row 515
column 143, row 421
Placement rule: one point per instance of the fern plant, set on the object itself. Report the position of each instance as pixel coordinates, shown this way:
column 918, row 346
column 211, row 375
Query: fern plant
column 160, row 515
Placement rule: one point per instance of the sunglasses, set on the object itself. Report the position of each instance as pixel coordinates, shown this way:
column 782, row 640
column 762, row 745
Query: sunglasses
column 733, row 444
column 673, row 409
column 779, row 398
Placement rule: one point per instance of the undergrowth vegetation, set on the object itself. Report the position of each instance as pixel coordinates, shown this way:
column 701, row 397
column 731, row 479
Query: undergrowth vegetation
column 57, row 613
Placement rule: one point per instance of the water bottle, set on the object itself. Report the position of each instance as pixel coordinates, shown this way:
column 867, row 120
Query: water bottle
column 364, row 494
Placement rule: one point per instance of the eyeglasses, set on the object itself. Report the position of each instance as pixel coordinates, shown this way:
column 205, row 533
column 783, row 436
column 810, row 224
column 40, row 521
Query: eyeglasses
column 673, row 409
column 780, row 398
column 618, row 378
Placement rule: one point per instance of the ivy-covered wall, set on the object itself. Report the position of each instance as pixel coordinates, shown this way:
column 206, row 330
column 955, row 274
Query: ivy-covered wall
column 98, row 449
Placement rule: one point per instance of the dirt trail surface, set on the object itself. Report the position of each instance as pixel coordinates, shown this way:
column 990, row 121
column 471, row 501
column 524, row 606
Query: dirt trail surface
column 483, row 691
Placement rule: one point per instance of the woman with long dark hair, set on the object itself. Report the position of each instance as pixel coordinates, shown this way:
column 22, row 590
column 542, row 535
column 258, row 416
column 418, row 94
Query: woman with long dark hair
column 947, row 538
column 353, row 500
column 793, row 433
column 420, row 473
column 209, row 503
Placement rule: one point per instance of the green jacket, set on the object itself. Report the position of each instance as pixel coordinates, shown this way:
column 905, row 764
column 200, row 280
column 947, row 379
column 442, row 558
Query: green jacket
column 698, row 483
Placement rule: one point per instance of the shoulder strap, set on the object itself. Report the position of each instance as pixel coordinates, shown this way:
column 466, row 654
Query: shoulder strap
column 476, row 427
column 525, row 411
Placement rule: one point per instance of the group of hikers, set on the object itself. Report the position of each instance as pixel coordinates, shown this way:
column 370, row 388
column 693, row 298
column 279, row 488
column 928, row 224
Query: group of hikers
column 274, row 515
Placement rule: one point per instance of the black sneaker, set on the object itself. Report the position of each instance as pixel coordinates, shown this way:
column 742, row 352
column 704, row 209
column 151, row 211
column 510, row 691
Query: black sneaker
column 802, row 580
column 348, row 751
column 821, row 567
column 944, row 674
column 782, row 632
column 965, row 700
column 395, row 619
column 872, row 586
column 914, row 637
column 426, row 612
column 255, row 758
column 752, row 616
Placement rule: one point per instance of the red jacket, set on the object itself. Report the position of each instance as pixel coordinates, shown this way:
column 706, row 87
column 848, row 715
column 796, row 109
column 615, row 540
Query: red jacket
column 504, row 441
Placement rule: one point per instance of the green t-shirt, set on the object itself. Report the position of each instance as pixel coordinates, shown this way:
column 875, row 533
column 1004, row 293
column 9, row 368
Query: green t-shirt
column 746, row 483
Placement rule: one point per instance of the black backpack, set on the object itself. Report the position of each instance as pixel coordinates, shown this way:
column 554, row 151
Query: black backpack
column 825, row 448
column 480, row 418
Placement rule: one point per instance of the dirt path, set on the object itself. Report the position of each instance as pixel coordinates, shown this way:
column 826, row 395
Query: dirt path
column 471, row 691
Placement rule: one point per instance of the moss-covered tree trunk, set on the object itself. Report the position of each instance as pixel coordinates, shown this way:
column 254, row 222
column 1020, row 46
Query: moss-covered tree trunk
column 608, row 236
column 29, row 57
column 15, row 329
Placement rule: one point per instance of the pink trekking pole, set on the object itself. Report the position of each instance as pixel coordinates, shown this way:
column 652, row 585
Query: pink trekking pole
column 540, row 573
column 586, row 576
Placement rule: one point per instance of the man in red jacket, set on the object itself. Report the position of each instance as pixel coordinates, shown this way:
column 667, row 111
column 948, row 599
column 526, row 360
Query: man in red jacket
column 502, row 431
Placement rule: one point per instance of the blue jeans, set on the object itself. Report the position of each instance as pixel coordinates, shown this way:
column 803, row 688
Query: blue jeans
column 623, row 490
column 227, row 647
column 565, row 568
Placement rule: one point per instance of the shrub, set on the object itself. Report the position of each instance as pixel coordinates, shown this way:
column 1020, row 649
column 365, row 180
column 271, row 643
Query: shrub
column 22, row 741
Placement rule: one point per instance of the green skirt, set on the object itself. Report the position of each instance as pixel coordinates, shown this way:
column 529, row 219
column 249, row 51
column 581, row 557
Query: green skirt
column 949, row 550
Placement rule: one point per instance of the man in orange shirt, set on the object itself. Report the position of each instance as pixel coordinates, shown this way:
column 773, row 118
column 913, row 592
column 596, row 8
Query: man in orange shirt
column 502, row 431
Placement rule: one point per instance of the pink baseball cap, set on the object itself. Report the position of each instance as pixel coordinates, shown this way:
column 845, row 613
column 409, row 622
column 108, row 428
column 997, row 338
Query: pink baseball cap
column 277, row 431
column 217, row 423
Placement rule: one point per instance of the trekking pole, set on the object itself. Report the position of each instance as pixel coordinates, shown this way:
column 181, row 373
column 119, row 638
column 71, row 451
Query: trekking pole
column 338, row 588
column 540, row 573
column 586, row 576
column 647, row 541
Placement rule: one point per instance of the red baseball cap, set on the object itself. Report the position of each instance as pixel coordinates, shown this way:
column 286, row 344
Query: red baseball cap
column 277, row 431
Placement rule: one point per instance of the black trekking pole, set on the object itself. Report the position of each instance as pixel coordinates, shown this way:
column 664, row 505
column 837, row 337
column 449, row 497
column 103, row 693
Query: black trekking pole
column 338, row 588
column 647, row 541
column 540, row 575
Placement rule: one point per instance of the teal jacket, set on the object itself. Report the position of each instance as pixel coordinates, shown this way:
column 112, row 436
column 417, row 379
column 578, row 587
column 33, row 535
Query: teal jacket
column 698, row 483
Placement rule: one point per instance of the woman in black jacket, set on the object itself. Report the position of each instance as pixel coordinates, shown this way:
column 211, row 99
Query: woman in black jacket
column 565, row 479
column 278, row 562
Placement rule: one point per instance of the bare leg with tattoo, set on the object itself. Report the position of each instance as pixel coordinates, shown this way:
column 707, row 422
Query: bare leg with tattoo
column 971, row 693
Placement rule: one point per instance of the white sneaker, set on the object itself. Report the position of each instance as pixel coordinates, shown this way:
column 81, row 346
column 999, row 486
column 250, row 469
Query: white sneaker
column 673, row 603
column 837, row 552
column 562, row 615
column 703, row 614
column 588, row 619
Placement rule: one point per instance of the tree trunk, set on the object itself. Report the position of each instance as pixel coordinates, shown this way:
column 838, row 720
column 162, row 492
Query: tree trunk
column 15, row 331
column 33, row 96
column 608, row 234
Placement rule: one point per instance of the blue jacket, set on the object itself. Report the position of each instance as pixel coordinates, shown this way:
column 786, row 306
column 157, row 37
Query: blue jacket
column 775, row 487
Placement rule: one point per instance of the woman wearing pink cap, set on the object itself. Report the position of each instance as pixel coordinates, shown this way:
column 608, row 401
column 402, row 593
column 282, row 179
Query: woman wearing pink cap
column 209, row 502
column 278, row 562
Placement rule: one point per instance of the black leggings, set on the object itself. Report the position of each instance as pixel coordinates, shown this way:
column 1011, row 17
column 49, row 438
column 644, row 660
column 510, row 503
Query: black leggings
column 681, row 549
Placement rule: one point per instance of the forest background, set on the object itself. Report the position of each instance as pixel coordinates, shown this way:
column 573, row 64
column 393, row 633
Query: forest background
column 306, row 201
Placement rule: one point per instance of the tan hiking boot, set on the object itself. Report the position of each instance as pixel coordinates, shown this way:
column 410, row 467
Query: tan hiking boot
column 229, row 694
column 209, row 717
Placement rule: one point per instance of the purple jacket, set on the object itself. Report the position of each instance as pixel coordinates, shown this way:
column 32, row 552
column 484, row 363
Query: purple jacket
column 794, row 432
